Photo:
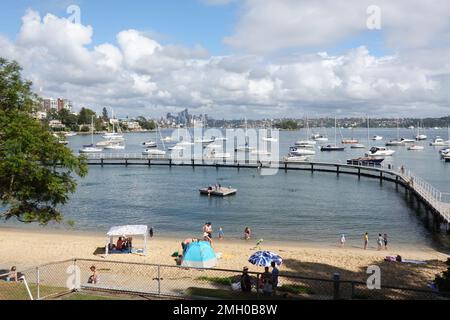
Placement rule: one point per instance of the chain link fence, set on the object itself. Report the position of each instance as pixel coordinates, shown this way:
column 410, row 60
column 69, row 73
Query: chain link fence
column 116, row 278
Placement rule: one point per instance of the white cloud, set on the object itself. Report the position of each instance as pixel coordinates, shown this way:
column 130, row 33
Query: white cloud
column 138, row 73
column 272, row 25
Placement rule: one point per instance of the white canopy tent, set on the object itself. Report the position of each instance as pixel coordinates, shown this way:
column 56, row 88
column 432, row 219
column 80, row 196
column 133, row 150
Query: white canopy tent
column 127, row 231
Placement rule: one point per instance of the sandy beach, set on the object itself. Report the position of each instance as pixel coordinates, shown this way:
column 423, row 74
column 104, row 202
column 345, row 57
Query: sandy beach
column 28, row 248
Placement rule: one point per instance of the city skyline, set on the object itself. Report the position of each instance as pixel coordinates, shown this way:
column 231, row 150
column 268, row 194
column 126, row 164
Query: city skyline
column 222, row 59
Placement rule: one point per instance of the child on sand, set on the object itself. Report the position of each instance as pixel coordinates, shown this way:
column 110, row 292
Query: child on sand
column 247, row 233
column 366, row 240
column 342, row 240
column 221, row 234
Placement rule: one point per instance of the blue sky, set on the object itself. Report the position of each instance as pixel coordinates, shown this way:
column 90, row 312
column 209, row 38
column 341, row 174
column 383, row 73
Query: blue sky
column 186, row 22
column 263, row 56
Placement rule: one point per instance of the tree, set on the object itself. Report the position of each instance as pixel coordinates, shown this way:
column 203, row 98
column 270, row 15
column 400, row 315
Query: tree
column 85, row 116
column 105, row 115
column 36, row 172
column 146, row 124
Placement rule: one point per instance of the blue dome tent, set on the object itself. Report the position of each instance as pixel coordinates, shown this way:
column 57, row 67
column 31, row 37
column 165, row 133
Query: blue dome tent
column 199, row 254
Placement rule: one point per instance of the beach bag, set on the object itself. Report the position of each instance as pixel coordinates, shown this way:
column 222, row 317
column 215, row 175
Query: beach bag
column 236, row 286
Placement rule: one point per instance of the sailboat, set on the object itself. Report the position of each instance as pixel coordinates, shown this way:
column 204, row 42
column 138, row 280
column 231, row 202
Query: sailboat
column 438, row 141
column 246, row 147
column 334, row 147
column 319, row 137
column 155, row 152
column 306, row 143
column 348, row 141
column 360, row 145
column 397, row 142
column 420, row 136
column 91, row 148
column 113, row 135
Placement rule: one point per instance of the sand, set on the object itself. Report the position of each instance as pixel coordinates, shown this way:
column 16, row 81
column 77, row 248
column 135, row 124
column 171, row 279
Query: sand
column 28, row 248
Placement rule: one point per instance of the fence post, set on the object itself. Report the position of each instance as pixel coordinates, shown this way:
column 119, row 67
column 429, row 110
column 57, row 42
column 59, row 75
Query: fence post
column 257, row 285
column 336, row 284
column 353, row 291
column 159, row 280
column 38, row 280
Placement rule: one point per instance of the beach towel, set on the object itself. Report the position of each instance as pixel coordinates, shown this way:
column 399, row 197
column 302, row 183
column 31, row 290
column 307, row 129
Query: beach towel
column 414, row 261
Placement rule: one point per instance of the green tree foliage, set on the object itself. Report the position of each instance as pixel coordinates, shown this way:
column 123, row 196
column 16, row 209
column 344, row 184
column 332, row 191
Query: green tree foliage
column 287, row 125
column 36, row 172
column 85, row 116
column 146, row 124
column 105, row 115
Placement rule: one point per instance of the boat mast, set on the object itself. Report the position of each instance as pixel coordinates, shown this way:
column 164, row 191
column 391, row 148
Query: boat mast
column 92, row 130
column 335, row 131
column 368, row 131
column 398, row 130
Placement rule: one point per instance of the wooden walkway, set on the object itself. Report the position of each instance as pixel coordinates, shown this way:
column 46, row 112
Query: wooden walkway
column 430, row 196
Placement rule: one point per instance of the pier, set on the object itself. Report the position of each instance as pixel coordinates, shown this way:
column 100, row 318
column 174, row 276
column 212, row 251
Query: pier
column 425, row 193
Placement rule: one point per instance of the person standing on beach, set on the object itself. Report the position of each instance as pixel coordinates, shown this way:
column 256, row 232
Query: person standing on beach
column 221, row 234
column 209, row 229
column 342, row 240
column 380, row 241
column 385, row 240
column 275, row 274
column 247, row 233
column 366, row 240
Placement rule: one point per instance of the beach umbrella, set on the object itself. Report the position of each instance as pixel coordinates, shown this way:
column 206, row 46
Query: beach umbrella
column 199, row 254
column 265, row 258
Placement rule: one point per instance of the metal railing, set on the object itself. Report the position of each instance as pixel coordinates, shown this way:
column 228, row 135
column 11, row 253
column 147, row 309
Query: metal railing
column 115, row 278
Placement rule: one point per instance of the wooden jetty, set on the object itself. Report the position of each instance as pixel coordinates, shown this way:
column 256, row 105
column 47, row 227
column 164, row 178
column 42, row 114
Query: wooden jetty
column 425, row 193
column 220, row 192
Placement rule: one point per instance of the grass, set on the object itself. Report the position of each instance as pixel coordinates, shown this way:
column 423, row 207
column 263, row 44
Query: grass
column 83, row 296
column 231, row 295
column 18, row 291
column 225, row 281
column 294, row 289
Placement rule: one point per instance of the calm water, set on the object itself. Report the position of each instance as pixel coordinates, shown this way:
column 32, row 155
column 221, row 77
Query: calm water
column 288, row 206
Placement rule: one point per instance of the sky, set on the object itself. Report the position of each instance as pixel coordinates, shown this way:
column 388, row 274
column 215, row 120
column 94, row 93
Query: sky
column 236, row 58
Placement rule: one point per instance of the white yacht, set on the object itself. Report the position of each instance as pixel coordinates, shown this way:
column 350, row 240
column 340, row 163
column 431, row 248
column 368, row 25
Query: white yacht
column 415, row 147
column 91, row 148
column 404, row 140
column 379, row 152
column 377, row 138
column 71, row 134
column 301, row 152
column 115, row 146
column 292, row 158
column 204, row 141
column 153, row 152
column 150, row 144
column 357, row 146
column 439, row 142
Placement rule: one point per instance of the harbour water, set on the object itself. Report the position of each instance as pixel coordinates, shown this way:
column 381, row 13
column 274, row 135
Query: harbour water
column 297, row 206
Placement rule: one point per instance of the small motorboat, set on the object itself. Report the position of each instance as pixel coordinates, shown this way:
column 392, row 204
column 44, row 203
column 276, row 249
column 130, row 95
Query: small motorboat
column 332, row 148
column 379, row 152
column 394, row 143
column 404, row 140
column 421, row 137
column 306, row 143
column 114, row 146
column 292, row 158
column 153, row 152
column 357, row 146
column 439, row 142
column 90, row 149
column 150, row 144
column 365, row 161
column 295, row 151
column 349, row 141
column 377, row 138
column 415, row 147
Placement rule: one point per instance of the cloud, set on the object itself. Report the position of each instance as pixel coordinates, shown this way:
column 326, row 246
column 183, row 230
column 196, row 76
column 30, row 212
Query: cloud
column 271, row 25
column 137, row 75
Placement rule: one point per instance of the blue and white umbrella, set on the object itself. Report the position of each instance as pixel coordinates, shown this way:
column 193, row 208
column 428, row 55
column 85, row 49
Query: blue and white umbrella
column 264, row 258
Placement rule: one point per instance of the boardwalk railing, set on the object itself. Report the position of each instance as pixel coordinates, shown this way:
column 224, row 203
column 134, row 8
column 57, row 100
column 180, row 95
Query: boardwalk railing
column 431, row 196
